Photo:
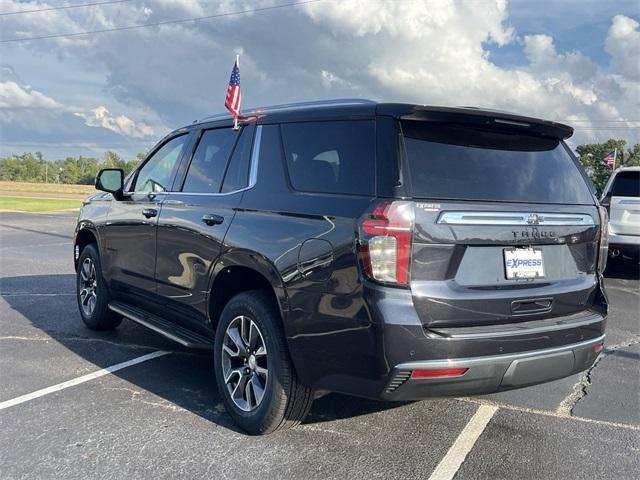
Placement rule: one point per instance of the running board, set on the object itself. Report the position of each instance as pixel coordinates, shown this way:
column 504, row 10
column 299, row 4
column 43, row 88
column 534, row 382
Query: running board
column 170, row 330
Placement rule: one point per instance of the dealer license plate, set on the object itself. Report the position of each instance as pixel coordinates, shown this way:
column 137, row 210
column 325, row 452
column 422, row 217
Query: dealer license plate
column 523, row 263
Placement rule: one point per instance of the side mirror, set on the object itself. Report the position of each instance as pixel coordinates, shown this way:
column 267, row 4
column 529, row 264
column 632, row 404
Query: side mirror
column 110, row 180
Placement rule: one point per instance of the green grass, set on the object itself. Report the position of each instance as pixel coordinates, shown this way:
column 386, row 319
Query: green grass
column 29, row 204
column 46, row 188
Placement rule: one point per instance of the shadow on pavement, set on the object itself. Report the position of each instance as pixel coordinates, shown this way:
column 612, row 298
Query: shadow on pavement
column 40, row 232
column 184, row 378
column 623, row 268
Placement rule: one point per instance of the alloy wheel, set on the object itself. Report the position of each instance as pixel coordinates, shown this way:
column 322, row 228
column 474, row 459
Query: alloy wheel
column 244, row 363
column 88, row 287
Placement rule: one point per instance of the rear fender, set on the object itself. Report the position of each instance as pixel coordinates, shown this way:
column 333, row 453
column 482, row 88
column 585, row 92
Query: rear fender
column 260, row 264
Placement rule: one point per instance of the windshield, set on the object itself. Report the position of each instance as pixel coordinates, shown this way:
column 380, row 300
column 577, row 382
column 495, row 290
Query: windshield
column 459, row 163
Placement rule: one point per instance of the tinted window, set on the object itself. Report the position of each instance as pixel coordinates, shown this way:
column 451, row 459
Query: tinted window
column 626, row 184
column 237, row 175
column 330, row 157
column 451, row 162
column 209, row 161
column 157, row 173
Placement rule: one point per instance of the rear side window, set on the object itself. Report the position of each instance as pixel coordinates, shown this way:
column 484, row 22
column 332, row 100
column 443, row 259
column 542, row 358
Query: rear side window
column 626, row 184
column 209, row 161
column 237, row 175
column 331, row 157
column 457, row 163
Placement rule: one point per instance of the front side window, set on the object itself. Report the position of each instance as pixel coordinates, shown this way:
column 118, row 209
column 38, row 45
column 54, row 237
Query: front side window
column 331, row 157
column 157, row 173
column 209, row 161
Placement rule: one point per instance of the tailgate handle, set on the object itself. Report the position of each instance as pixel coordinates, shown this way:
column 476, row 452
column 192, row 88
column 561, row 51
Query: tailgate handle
column 531, row 305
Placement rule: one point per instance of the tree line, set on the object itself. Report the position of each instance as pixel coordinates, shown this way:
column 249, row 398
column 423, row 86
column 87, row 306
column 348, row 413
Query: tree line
column 591, row 155
column 32, row 167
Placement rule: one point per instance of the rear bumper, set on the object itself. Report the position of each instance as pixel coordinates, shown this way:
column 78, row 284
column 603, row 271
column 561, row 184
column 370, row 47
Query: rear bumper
column 625, row 240
column 498, row 357
column 374, row 358
column 489, row 374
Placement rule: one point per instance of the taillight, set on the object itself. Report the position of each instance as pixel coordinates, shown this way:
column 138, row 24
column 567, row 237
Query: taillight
column 603, row 242
column 384, row 244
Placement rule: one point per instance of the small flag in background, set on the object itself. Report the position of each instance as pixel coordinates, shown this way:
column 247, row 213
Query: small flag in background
column 610, row 159
column 234, row 98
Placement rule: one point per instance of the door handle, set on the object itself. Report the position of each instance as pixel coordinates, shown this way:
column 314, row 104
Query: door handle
column 211, row 219
column 173, row 202
column 150, row 212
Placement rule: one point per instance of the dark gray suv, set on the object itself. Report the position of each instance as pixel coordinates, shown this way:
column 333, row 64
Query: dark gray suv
column 384, row 250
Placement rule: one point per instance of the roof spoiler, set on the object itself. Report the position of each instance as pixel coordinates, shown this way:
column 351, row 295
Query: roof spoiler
column 477, row 117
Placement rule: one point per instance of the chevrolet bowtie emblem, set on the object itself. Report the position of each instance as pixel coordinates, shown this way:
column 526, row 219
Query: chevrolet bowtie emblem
column 534, row 219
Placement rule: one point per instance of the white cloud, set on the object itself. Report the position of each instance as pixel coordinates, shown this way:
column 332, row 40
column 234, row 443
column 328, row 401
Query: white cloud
column 412, row 20
column 623, row 44
column 24, row 105
column 101, row 117
column 28, row 109
column 16, row 96
column 331, row 80
column 436, row 52
column 419, row 51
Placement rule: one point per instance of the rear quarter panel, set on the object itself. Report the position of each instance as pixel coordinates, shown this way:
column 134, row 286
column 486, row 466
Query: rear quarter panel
column 325, row 318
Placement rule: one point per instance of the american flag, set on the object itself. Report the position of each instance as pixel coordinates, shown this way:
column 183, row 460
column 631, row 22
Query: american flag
column 609, row 159
column 234, row 98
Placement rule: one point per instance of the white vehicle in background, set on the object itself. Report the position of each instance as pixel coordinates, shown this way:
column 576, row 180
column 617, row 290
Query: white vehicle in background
column 621, row 197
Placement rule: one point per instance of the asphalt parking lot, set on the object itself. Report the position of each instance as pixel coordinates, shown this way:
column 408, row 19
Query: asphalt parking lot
column 163, row 418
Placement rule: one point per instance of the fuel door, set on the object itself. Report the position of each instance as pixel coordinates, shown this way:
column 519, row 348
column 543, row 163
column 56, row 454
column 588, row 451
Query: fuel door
column 315, row 258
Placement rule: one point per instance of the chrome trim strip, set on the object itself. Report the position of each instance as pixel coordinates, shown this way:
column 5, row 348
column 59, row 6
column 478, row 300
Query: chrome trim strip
column 515, row 218
column 255, row 156
column 200, row 194
column 494, row 359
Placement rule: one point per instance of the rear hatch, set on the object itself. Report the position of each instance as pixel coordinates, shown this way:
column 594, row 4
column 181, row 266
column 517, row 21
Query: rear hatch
column 624, row 203
column 506, row 227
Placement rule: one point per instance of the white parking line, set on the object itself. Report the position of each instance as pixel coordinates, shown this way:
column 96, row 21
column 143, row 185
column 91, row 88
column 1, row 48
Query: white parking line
column 29, row 294
column 79, row 380
column 450, row 464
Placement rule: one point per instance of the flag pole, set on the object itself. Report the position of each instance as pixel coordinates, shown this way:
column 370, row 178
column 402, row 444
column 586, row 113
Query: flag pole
column 235, row 118
column 615, row 154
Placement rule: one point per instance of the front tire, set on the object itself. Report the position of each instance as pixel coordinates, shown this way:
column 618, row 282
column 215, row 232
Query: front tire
column 92, row 293
column 254, row 374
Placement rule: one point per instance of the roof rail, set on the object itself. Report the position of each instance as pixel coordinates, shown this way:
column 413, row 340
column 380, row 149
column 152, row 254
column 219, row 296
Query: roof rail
column 295, row 106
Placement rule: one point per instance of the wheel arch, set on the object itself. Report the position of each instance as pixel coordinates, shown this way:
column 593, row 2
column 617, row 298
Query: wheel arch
column 85, row 234
column 240, row 271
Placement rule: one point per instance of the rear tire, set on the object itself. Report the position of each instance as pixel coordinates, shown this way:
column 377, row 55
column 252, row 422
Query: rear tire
column 254, row 373
column 92, row 293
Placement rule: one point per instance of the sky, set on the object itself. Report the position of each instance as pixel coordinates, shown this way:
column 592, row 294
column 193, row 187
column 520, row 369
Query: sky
column 573, row 61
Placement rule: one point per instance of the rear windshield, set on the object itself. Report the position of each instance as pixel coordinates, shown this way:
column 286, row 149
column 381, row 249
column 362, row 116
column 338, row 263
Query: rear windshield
column 458, row 163
column 626, row 184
